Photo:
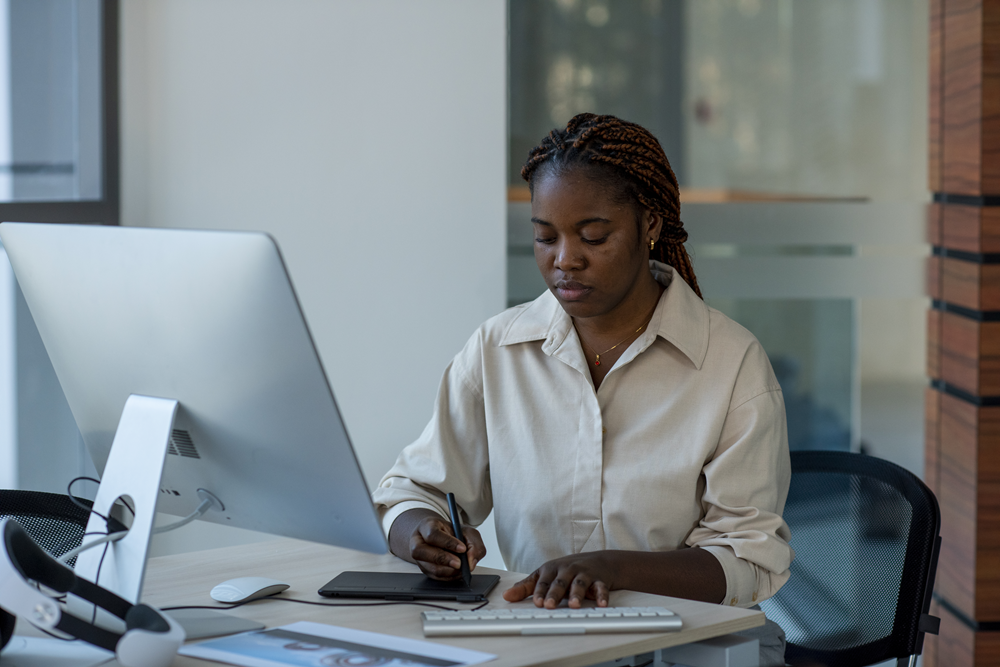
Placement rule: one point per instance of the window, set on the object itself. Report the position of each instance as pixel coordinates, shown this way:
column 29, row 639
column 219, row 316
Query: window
column 59, row 111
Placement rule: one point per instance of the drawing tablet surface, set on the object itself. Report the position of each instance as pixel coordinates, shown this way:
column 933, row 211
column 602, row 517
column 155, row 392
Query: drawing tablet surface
column 407, row 586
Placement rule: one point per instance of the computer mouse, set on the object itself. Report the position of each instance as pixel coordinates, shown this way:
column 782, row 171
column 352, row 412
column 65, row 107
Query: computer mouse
column 243, row 589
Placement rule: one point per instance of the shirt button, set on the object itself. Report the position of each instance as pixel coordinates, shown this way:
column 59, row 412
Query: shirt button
column 604, row 430
column 754, row 597
column 732, row 603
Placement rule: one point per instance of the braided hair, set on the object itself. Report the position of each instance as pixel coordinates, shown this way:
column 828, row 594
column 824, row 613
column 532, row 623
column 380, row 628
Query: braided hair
column 631, row 161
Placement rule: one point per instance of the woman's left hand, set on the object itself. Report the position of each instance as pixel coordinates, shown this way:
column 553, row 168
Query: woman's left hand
column 579, row 576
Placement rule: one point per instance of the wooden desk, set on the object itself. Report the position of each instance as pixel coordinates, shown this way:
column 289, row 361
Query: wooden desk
column 186, row 579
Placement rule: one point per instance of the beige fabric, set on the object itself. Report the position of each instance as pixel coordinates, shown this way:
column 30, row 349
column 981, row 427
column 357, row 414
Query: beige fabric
column 684, row 444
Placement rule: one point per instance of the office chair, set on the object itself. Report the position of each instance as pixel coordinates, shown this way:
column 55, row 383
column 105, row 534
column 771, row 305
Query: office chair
column 866, row 540
column 51, row 519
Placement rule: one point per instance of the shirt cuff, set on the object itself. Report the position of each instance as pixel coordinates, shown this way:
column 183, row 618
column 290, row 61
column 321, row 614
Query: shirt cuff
column 741, row 577
column 390, row 514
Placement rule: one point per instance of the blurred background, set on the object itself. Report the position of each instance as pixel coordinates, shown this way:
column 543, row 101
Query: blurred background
column 380, row 143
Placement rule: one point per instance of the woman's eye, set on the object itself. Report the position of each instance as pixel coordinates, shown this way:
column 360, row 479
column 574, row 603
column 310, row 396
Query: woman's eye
column 545, row 241
column 597, row 241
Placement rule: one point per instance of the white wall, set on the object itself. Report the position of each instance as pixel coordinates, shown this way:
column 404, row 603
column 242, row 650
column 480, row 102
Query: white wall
column 369, row 138
column 8, row 376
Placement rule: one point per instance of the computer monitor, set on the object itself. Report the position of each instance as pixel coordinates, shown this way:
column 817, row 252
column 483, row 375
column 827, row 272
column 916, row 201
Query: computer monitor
column 191, row 345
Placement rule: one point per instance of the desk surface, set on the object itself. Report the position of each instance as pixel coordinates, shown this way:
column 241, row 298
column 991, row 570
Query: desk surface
column 186, row 579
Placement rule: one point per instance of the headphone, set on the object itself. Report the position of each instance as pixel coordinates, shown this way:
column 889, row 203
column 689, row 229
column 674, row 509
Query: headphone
column 151, row 638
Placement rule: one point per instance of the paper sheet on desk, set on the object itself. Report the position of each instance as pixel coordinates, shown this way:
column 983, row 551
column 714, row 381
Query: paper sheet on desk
column 306, row 644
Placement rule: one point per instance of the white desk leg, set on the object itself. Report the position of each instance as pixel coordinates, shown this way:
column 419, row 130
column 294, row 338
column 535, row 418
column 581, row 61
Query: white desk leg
column 725, row 651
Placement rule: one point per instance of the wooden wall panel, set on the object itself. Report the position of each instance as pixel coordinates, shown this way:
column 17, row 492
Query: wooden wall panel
column 934, row 271
column 958, row 645
column 988, row 516
column 962, row 97
column 969, row 495
column 969, row 354
column 968, row 284
column 932, row 439
column 935, row 212
column 990, row 123
column 956, row 578
column 969, row 228
column 955, row 643
column 934, row 110
column 934, row 344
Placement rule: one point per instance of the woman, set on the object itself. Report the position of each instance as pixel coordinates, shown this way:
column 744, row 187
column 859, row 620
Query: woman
column 626, row 435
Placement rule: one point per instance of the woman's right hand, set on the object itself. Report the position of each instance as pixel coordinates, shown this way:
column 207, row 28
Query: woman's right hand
column 424, row 537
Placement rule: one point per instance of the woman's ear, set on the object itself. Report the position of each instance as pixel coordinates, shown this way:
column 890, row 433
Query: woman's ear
column 652, row 226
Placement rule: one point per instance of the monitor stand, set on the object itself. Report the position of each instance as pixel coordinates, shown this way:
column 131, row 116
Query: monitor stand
column 134, row 469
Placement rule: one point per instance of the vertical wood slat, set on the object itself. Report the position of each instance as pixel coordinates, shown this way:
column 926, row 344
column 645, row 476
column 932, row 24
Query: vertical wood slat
column 969, row 228
column 932, row 439
column 935, row 99
column 970, row 284
column 934, row 344
column 990, row 126
column 962, row 97
column 970, row 89
column 968, row 353
column 969, row 494
column 958, row 645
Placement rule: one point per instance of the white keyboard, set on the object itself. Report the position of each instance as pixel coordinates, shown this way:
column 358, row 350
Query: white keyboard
column 562, row 621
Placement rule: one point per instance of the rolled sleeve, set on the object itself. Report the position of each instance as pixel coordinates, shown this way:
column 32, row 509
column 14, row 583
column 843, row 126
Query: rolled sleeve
column 746, row 484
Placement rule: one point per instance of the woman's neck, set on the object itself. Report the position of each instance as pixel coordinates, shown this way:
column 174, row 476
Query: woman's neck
column 633, row 311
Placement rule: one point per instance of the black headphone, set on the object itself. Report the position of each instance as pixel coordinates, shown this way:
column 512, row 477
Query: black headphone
column 151, row 638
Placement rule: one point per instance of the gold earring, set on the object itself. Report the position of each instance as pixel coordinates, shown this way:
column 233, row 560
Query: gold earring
column 651, row 243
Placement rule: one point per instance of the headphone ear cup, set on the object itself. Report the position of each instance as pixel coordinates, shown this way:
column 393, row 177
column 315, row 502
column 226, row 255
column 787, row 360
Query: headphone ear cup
column 7, row 623
column 151, row 641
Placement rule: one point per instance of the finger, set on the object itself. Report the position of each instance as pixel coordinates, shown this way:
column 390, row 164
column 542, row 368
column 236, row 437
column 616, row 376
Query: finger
column 477, row 549
column 439, row 573
column 521, row 589
column 578, row 590
column 558, row 589
column 601, row 593
column 441, row 536
column 541, row 590
column 426, row 553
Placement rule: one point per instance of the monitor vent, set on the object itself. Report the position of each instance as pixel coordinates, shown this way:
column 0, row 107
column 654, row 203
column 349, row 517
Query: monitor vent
column 182, row 445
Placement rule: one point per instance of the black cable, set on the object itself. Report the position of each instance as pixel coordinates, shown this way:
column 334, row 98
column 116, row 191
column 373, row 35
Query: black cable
column 325, row 604
column 73, row 499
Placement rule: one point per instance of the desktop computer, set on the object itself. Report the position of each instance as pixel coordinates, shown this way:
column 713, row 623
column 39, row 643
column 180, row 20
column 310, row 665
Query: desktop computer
column 189, row 368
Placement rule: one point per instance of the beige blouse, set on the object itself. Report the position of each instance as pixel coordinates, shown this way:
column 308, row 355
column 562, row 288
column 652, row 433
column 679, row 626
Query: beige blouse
column 683, row 445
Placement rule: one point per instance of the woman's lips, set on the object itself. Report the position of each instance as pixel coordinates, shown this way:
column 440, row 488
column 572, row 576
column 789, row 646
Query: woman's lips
column 569, row 290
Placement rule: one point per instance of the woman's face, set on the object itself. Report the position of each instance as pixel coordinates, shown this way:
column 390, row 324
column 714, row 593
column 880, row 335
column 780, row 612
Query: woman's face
column 590, row 249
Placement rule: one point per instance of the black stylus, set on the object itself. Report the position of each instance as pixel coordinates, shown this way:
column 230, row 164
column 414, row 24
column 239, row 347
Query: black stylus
column 456, row 526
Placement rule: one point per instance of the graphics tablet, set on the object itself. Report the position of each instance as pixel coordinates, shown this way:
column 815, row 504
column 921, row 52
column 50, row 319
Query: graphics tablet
column 407, row 586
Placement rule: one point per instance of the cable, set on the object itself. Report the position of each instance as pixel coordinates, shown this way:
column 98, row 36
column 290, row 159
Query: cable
column 106, row 537
column 324, row 604
column 199, row 511
column 73, row 499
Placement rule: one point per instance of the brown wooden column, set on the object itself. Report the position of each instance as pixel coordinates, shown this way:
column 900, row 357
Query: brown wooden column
column 963, row 360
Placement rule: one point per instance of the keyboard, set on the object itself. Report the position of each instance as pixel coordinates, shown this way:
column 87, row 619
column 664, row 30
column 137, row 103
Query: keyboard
column 561, row 621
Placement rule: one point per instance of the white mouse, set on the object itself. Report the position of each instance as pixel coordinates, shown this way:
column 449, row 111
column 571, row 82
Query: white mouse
column 243, row 589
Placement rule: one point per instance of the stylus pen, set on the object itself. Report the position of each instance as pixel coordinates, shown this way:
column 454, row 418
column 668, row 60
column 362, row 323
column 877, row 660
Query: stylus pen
column 456, row 526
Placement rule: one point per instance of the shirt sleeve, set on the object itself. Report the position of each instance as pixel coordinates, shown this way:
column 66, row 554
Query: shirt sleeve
column 746, row 484
column 451, row 455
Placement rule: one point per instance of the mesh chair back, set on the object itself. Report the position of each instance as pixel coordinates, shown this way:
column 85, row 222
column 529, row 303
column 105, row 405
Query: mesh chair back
column 51, row 519
column 865, row 534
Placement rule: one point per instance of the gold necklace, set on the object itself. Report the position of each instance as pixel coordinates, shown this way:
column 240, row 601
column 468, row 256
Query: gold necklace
column 597, row 357
column 597, row 360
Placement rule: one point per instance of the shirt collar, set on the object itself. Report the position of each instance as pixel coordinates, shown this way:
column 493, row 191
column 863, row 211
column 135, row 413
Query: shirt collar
column 681, row 318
